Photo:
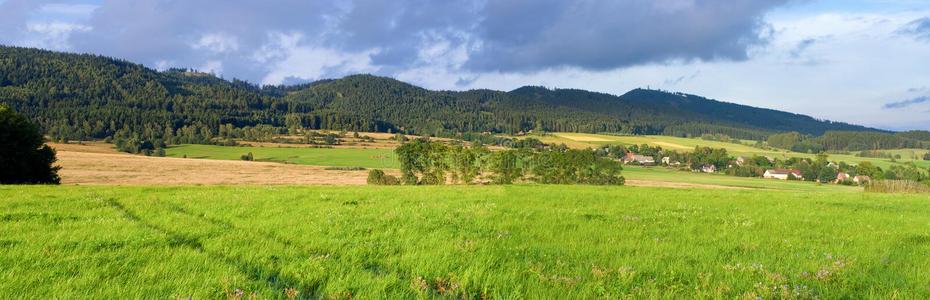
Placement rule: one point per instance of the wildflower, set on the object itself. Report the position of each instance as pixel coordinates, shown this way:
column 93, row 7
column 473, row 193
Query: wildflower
column 290, row 293
column 419, row 284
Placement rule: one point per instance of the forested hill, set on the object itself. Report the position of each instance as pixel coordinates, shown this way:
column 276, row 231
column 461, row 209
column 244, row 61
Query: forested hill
column 699, row 108
column 79, row 96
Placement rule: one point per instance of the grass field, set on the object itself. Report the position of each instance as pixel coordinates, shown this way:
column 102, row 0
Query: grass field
column 336, row 157
column 661, row 174
column 532, row 242
column 583, row 140
column 367, row 158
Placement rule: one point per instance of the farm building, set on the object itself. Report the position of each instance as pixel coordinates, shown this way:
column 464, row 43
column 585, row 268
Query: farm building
column 668, row 161
column 861, row 179
column 740, row 161
column 709, row 169
column 781, row 174
column 842, row 176
column 641, row 159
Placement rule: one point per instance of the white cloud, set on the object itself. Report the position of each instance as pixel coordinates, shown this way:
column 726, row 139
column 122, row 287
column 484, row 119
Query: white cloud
column 51, row 35
column 212, row 66
column 440, row 62
column 288, row 56
column 217, row 43
column 162, row 65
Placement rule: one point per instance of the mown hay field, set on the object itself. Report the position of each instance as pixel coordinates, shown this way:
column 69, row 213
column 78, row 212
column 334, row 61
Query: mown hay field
column 525, row 241
column 100, row 164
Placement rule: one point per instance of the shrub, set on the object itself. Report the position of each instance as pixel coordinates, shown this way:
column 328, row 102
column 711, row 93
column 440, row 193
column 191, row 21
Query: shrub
column 345, row 168
column 24, row 157
column 247, row 157
column 377, row 177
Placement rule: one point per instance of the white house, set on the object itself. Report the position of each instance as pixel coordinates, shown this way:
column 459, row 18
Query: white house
column 781, row 174
column 861, row 179
column 841, row 176
column 641, row 159
column 668, row 161
column 740, row 161
column 709, row 169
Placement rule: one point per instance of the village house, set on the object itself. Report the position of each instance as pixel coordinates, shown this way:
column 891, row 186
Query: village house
column 740, row 161
column 781, row 174
column 862, row 179
column 640, row 159
column 668, row 161
column 841, row 177
column 709, row 169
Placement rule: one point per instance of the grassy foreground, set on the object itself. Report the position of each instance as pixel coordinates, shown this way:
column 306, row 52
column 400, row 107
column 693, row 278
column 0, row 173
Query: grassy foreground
column 335, row 157
column 500, row 242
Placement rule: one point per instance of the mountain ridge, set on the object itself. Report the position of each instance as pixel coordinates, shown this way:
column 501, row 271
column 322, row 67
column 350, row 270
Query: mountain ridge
column 102, row 95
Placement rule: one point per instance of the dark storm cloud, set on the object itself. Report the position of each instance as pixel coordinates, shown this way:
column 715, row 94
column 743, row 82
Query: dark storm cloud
column 152, row 30
column 397, row 27
column 499, row 35
column 919, row 29
column 599, row 35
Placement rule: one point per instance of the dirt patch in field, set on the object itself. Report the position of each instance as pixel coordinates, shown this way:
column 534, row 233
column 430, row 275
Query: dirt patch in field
column 89, row 164
column 679, row 185
column 671, row 145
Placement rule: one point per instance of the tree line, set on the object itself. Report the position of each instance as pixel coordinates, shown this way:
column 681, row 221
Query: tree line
column 849, row 141
column 423, row 162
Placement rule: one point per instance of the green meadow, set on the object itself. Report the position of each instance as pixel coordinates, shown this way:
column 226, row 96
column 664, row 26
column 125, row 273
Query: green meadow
column 384, row 158
column 331, row 157
column 524, row 241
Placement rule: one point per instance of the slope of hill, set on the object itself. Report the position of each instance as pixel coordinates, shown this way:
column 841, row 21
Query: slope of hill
column 79, row 96
column 700, row 109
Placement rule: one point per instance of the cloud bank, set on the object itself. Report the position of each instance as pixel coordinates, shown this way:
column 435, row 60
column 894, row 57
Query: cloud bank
column 270, row 42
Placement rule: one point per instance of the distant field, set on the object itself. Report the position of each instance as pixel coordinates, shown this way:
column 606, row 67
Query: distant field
column 339, row 157
column 583, row 140
column 100, row 164
column 534, row 242
column 655, row 176
column 659, row 174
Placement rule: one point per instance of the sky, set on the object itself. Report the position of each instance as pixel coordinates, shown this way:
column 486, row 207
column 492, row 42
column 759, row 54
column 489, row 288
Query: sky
column 859, row 61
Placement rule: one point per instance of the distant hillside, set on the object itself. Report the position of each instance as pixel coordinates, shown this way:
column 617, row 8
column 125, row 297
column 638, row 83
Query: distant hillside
column 79, row 96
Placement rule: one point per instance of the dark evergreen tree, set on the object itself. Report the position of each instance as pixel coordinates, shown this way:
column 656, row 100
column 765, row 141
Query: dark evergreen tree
column 24, row 157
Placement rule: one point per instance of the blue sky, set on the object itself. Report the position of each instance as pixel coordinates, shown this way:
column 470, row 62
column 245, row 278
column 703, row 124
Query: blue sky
column 861, row 61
